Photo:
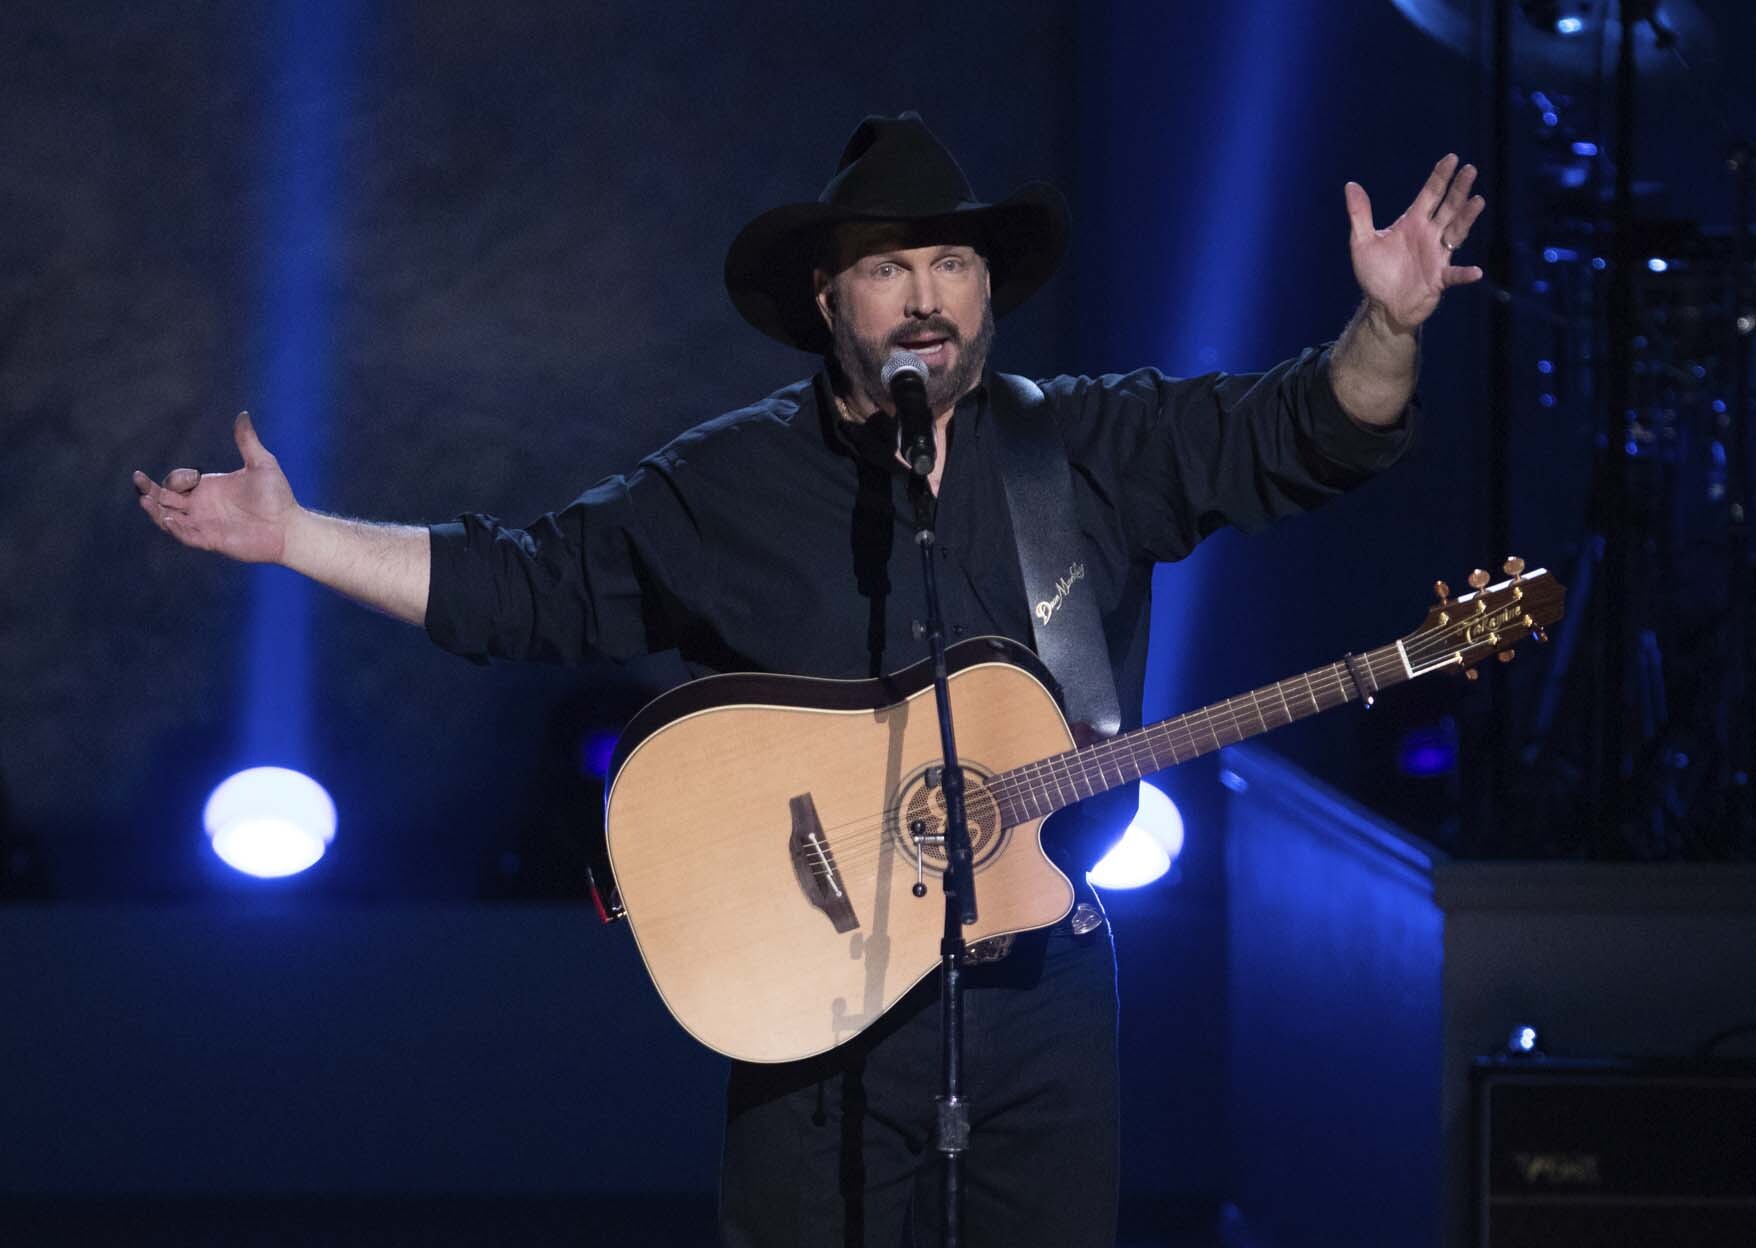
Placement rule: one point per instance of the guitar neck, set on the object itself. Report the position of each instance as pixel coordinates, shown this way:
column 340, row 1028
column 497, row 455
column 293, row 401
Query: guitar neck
column 1041, row 788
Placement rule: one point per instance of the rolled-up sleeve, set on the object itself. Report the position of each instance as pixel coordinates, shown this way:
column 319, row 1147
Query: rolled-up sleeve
column 1182, row 457
column 603, row 575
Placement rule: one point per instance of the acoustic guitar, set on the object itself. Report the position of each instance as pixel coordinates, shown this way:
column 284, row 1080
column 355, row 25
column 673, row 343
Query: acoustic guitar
column 768, row 836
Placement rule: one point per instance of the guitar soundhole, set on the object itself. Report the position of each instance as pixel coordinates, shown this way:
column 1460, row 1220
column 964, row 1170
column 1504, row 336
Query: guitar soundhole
column 925, row 807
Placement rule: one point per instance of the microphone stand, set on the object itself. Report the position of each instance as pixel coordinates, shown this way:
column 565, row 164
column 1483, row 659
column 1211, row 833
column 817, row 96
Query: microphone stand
column 959, row 878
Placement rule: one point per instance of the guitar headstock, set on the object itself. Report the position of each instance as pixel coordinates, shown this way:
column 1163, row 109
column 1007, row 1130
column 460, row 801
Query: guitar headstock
column 1490, row 619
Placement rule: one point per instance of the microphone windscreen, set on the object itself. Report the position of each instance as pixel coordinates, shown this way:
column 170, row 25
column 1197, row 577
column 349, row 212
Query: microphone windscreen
column 902, row 362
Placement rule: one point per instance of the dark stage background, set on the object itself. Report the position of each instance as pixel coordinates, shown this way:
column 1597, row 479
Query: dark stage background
column 466, row 257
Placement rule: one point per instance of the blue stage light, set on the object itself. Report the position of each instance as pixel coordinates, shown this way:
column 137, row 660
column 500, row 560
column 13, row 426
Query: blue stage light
column 1657, row 265
column 1569, row 25
column 1584, row 147
column 1152, row 842
column 1430, row 751
column 596, row 749
column 269, row 821
column 1524, row 1041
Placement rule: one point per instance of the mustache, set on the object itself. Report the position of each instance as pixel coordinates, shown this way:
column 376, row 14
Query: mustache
column 932, row 327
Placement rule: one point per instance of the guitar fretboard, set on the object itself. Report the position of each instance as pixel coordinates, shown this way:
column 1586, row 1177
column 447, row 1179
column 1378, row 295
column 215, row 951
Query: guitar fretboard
column 1041, row 788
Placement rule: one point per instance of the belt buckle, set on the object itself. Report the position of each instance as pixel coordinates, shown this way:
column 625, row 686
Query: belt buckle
column 990, row 950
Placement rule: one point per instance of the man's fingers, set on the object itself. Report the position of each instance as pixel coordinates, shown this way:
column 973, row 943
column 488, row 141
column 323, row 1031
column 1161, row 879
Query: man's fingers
column 1456, row 197
column 1434, row 190
column 158, row 512
column 249, row 445
column 176, row 523
column 1359, row 212
column 1462, row 274
column 182, row 480
column 1468, row 216
column 1456, row 232
column 152, row 493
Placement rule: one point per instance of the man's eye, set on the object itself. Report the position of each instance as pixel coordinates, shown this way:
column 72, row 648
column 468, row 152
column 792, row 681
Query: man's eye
column 951, row 264
column 884, row 270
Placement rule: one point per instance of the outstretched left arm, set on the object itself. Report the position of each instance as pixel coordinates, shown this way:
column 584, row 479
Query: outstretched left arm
column 1402, row 270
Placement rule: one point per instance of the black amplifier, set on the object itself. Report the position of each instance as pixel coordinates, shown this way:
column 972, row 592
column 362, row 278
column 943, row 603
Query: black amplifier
column 1647, row 1154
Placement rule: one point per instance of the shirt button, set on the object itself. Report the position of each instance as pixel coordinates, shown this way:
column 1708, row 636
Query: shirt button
column 957, row 630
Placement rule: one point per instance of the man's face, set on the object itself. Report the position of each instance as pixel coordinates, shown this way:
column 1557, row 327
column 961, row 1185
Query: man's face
column 895, row 289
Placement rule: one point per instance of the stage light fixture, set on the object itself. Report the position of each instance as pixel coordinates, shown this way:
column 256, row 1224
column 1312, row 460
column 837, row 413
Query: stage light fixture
column 1148, row 848
column 269, row 821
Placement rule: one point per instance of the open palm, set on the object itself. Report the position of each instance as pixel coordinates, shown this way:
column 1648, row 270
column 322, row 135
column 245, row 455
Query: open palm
column 243, row 514
column 1406, row 267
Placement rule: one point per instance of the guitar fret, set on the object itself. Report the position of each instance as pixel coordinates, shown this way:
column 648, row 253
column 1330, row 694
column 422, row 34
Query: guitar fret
column 1256, row 709
column 1086, row 773
column 1232, row 704
column 1115, row 764
column 1343, row 684
column 1043, row 787
column 1063, row 782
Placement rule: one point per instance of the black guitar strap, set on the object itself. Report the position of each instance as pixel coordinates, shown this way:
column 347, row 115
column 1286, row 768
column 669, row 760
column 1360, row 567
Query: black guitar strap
column 1051, row 553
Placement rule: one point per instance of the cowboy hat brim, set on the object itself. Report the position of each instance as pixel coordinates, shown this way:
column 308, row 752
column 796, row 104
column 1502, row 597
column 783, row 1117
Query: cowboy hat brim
column 770, row 263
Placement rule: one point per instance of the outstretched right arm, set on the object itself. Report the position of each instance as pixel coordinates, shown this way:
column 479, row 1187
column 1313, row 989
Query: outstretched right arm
column 251, row 515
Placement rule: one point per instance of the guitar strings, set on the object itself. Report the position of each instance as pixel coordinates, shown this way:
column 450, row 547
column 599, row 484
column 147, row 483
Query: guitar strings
column 1185, row 740
column 865, row 837
column 1010, row 788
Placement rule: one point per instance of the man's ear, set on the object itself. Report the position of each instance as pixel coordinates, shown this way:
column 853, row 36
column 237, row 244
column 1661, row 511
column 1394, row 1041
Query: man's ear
column 823, row 287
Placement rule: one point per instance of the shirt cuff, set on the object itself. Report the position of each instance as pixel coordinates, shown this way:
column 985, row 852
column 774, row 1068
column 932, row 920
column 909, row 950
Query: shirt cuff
column 447, row 595
column 1345, row 440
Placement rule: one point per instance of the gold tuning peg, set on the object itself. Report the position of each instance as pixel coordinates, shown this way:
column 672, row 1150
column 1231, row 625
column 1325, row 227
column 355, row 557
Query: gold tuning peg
column 1506, row 656
column 1442, row 591
column 1470, row 674
column 1514, row 566
column 1539, row 634
column 1478, row 580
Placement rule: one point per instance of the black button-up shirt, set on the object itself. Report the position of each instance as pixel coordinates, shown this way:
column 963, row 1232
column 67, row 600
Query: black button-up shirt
column 780, row 538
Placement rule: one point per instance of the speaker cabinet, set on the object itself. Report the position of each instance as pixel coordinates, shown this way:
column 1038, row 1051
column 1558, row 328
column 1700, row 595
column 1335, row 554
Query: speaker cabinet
column 1612, row 1153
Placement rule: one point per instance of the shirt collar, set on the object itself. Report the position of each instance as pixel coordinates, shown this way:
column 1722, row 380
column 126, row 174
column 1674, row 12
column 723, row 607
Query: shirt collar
column 874, row 440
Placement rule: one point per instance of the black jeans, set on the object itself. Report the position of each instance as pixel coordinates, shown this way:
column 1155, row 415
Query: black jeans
column 837, row 1151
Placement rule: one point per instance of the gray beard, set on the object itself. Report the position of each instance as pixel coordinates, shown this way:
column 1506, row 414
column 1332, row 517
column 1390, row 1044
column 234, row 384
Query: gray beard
column 862, row 360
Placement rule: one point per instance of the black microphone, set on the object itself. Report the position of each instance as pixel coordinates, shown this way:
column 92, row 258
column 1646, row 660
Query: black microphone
column 905, row 376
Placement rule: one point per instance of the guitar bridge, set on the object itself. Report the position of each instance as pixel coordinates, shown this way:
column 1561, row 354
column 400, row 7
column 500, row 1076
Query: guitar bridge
column 814, row 865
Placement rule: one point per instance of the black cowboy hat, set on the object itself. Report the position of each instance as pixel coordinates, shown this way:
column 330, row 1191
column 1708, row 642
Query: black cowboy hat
column 893, row 169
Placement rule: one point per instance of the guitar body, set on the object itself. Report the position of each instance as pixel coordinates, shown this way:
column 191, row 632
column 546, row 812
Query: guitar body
column 765, row 836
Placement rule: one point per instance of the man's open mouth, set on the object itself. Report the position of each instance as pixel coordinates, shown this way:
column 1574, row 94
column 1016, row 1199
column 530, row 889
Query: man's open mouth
column 931, row 350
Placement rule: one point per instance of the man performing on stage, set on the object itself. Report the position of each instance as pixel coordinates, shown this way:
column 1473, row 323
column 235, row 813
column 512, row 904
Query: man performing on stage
column 779, row 538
